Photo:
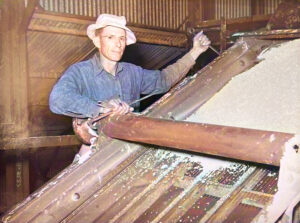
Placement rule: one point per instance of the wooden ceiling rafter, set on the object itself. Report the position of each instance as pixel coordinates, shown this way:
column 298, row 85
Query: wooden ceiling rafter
column 76, row 25
column 38, row 142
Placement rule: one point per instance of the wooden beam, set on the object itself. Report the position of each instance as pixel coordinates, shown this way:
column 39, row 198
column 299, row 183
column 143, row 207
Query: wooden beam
column 213, row 28
column 14, row 69
column 37, row 142
column 28, row 12
column 15, row 83
column 254, row 7
column 223, row 35
column 271, row 34
column 234, row 21
column 209, row 8
column 70, row 25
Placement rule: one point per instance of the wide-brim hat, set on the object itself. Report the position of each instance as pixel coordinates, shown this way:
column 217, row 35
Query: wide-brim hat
column 104, row 20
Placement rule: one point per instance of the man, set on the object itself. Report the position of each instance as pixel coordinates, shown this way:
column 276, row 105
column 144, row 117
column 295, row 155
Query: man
column 103, row 84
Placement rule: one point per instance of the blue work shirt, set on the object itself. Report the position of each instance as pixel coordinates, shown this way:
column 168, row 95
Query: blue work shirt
column 84, row 84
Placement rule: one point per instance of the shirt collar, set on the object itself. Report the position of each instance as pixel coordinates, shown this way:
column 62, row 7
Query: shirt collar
column 98, row 68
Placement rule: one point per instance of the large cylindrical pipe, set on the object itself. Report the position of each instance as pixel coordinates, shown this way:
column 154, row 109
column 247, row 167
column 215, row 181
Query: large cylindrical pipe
column 259, row 146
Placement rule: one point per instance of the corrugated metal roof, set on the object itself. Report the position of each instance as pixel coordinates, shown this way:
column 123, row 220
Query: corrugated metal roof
column 167, row 14
column 242, row 8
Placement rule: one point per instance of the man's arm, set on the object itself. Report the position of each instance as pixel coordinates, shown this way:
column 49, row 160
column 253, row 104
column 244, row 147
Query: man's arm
column 66, row 99
column 161, row 81
column 175, row 72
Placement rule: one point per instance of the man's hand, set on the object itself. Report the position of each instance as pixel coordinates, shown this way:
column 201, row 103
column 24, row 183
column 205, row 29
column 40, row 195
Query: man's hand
column 200, row 44
column 116, row 106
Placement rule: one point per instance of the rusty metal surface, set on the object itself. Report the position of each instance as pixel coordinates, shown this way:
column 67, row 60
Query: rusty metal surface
column 286, row 16
column 168, row 14
column 231, row 142
column 271, row 34
column 180, row 103
column 232, row 8
column 124, row 182
column 269, row 6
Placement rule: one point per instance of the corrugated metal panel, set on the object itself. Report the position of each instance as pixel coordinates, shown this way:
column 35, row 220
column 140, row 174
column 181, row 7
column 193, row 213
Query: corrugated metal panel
column 270, row 6
column 242, row 8
column 168, row 14
column 232, row 8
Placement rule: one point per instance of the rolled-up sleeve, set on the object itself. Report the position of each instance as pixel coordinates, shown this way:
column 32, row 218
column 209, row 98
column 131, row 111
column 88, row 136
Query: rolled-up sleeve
column 161, row 81
column 175, row 72
column 66, row 97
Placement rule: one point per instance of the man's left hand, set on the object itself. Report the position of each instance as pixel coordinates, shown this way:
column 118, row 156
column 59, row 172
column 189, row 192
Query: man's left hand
column 200, row 44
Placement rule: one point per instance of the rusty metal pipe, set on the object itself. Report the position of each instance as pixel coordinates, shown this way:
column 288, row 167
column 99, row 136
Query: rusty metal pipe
column 239, row 143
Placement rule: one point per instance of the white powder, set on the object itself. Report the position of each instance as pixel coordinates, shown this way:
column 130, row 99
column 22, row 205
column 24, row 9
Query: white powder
column 208, row 165
column 266, row 97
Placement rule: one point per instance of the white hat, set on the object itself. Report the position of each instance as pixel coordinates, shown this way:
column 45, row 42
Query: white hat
column 104, row 20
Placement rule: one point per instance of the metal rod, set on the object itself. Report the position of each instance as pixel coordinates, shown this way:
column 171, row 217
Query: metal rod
column 239, row 143
column 213, row 49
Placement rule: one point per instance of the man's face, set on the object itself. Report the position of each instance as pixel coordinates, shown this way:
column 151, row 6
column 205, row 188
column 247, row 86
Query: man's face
column 112, row 42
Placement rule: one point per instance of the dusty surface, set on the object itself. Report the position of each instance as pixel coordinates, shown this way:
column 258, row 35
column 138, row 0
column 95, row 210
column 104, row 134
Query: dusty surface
column 265, row 97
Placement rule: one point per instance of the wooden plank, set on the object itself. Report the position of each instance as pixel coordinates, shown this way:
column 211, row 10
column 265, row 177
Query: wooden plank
column 15, row 65
column 14, row 179
column 60, row 23
column 234, row 21
column 3, row 206
column 10, row 183
column 191, row 198
column 40, row 89
column 43, row 122
column 223, row 35
column 22, row 176
column 254, row 7
column 195, row 11
column 141, row 203
column 36, row 142
column 15, row 83
column 5, row 80
column 28, row 12
column 209, row 9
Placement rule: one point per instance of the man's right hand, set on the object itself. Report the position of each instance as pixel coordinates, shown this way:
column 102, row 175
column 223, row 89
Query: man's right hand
column 116, row 106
